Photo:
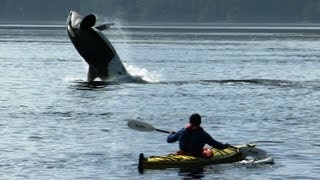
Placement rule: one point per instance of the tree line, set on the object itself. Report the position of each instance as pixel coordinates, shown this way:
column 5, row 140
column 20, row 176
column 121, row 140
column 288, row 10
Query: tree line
column 191, row 11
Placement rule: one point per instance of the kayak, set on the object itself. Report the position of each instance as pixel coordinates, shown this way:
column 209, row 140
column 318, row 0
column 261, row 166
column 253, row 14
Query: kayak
column 228, row 155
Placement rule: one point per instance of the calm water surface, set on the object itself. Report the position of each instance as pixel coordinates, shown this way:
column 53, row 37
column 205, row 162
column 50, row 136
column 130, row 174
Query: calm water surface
column 251, row 87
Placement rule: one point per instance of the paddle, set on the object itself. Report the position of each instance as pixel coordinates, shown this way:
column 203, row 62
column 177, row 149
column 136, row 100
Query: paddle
column 143, row 126
column 248, row 150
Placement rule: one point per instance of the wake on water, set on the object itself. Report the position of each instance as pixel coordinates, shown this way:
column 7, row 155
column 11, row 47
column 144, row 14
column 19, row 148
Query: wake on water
column 252, row 161
column 143, row 76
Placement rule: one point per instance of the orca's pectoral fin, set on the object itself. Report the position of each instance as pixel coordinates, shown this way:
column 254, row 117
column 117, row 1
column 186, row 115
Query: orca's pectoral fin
column 88, row 21
column 104, row 26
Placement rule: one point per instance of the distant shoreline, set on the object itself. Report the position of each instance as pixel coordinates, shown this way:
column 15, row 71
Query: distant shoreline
column 206, row 27
column 214, row 24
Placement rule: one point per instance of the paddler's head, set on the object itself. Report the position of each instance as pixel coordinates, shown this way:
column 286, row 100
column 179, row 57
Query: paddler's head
column 195, row 120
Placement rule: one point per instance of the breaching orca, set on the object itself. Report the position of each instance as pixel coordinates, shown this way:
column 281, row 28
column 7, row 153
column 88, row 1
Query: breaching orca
column 95, row 48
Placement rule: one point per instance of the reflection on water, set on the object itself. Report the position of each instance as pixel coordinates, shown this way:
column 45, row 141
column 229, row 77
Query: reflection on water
column 192, row 173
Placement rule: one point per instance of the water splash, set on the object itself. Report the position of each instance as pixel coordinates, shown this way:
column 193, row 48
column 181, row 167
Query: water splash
column 142, row 73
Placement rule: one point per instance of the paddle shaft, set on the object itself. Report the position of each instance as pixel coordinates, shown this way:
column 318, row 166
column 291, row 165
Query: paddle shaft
column 160, row 130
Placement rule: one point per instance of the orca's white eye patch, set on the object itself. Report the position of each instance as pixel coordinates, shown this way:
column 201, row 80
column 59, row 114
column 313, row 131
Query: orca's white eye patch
column 74, row 20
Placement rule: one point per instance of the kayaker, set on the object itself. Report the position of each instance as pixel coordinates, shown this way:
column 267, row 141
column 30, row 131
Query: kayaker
column 193, row 138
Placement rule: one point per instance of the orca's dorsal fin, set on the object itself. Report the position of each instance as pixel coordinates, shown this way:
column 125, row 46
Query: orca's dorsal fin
column 104, row 26
column 88, row 22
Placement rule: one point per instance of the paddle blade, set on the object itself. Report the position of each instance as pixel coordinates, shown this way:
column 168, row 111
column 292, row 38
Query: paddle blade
column 140, row 126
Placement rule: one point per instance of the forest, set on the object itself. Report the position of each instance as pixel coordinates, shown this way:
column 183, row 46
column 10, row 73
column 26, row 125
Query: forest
column 170, row 11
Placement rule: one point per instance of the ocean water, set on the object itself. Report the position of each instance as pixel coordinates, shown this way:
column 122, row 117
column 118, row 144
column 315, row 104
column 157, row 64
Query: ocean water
column 250, row 85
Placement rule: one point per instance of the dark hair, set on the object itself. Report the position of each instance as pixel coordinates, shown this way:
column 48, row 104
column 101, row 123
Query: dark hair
column 195, row 119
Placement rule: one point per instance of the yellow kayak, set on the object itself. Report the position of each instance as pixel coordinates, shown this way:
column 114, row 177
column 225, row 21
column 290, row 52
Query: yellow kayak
column 227, row 155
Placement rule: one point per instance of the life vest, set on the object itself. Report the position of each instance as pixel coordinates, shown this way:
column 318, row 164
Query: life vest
column 206, row 153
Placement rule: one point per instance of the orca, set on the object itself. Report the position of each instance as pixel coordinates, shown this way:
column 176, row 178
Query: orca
column 95, row 48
